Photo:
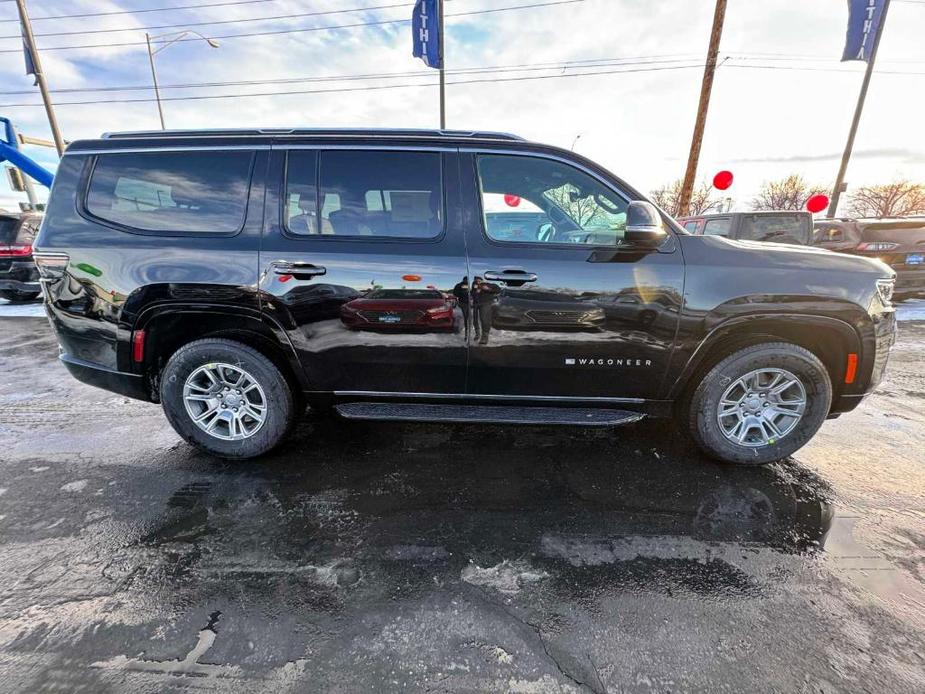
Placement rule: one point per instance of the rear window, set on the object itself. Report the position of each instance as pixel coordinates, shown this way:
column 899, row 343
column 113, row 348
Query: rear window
column 793, row 228
column 365, row 193
column 717, row 227
column 897, row 233
column 7, row 227
column 172, row 192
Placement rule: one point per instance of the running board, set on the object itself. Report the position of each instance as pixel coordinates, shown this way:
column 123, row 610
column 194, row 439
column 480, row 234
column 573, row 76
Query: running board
column 486, row 414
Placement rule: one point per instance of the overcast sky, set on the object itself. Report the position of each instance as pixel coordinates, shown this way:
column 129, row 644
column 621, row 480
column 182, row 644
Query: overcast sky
column 782, row 103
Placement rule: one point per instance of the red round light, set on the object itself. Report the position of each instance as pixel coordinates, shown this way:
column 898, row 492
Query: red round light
column 511, row 200
column 817, row 202
column 722, row 180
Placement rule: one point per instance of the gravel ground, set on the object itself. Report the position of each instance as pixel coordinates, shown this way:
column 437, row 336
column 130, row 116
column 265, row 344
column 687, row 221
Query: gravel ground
column 418, row 557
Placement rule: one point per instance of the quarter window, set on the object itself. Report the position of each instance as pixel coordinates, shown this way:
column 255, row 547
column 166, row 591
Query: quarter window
column 535, row 200
column 366, row 193
column 717, row 227
column 171, row 192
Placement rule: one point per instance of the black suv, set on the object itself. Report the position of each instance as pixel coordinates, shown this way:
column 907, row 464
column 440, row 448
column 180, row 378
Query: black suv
column 900, row 243
column 208, row 271
column 19, row 279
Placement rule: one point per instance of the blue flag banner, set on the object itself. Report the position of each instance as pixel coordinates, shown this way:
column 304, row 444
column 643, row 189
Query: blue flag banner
column 30, row 63
column 864, row 18
column 425, row 28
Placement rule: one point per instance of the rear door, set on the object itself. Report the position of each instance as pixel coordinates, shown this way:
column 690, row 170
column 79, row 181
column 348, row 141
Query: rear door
column 562, row 307
column 361, row 252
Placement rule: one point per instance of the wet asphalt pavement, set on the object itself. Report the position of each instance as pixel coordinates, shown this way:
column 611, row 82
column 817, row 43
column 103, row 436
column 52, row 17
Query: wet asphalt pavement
column 463, row 558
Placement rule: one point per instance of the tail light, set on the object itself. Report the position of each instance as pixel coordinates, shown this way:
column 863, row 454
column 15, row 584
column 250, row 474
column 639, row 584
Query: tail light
column 138, row 346
column 8, row 251
column 51, row 266
column 877, row 246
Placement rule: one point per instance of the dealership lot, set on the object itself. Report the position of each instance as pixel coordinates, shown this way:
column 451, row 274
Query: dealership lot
column 452, row 557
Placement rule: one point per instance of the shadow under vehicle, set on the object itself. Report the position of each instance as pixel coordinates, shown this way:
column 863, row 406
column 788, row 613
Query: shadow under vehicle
column 899, row 242
column 19, row 278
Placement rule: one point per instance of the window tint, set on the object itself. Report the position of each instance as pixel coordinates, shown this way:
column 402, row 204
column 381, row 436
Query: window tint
column 791, row 228
column 717, row 227
column 529, row 199
column 172, row 191
column 378, row 194
column 691, row 226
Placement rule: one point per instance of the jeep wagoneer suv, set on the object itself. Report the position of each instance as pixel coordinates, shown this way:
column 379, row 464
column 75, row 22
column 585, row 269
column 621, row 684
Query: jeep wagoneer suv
column 236, row 276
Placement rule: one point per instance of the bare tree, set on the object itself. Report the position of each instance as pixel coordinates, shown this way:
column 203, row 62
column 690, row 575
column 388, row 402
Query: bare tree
column 581, row 209
column 897, row 199
column 668, row 197
column 790, row 193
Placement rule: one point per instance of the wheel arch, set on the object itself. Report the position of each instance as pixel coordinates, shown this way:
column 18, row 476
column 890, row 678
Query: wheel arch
column 830, row 339
column 168, row 328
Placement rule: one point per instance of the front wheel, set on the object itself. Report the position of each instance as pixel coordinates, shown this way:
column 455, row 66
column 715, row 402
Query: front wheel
column 760, row 404
column 226, row 398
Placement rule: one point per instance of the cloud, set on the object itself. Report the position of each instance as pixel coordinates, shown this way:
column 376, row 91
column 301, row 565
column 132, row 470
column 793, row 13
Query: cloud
column 908, row 156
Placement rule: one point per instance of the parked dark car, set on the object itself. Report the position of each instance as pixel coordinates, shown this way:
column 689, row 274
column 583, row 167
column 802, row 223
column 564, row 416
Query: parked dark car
column 773, row 227
column 176, row 266
column 399, row 309
column 19, row 278
column 900, row 243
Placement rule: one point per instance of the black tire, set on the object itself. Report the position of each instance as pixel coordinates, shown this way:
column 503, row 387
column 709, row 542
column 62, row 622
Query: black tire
column 702, row 420
column 16, row 297
column 281, row 408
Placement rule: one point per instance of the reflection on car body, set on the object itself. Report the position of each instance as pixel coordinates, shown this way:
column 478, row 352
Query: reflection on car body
column 400, row 310
column 535, row 309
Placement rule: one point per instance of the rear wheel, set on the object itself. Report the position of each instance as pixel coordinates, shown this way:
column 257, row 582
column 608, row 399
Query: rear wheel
column 14, row 296
column 760, row 404
column 226, row 398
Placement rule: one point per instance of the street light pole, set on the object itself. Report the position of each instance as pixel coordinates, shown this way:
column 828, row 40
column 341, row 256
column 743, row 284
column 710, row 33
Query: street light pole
column 39, row 75
column 173, row 38
column 157, row 92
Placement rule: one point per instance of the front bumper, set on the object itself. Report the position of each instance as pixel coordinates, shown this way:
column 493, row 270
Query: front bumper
column 883, row 339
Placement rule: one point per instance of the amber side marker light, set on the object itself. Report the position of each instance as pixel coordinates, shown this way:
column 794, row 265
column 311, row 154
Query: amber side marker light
column 851, row 368
column 138, row 346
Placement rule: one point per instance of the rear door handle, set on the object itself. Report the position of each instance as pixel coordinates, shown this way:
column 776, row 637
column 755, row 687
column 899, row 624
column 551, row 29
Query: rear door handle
column 298, row 270
column 510, row 276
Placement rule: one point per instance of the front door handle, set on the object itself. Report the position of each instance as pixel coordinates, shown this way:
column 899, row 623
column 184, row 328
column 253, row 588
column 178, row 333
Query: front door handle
column 298, row 270
column 511, row 276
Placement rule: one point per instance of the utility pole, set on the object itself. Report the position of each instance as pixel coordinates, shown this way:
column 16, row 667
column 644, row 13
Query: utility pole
column 442, row 70
column 706, row 88
column 39, row 74
column 846, row 156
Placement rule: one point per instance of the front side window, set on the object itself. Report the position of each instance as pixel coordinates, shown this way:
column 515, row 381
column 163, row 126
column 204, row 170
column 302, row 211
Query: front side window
column 717, row 227
column 692, row 226
column 365, row 193
column 535, row 200
column 172, row 191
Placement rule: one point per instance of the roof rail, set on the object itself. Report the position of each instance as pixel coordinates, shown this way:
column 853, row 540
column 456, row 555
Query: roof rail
column 320, row 132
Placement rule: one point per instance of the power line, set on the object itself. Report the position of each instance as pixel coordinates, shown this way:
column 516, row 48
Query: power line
column 216, row 22
column 309, row 29
column 587, row 63
column 341, row 90
column 150, row 9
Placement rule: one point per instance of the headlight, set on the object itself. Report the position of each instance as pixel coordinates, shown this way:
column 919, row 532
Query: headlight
column 885, row 290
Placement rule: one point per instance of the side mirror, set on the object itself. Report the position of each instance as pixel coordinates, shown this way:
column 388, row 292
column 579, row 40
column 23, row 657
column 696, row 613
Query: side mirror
column 644, row 227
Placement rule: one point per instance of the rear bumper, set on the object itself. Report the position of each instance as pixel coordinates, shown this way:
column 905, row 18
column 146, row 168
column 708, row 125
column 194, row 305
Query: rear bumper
column 20, row 276
column 129, row 385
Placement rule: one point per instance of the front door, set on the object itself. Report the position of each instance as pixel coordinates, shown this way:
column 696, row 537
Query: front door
column 562, row 306
column 359, row 259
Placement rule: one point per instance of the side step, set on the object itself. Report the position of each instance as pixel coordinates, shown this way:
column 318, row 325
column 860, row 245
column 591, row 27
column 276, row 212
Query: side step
column 490, row 414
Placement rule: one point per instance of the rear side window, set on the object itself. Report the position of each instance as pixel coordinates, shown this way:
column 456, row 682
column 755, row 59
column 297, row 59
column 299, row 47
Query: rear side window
column 365, row 193
column 792, row 228
column 172, row 192
column 717, row 227
column 692, row 226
